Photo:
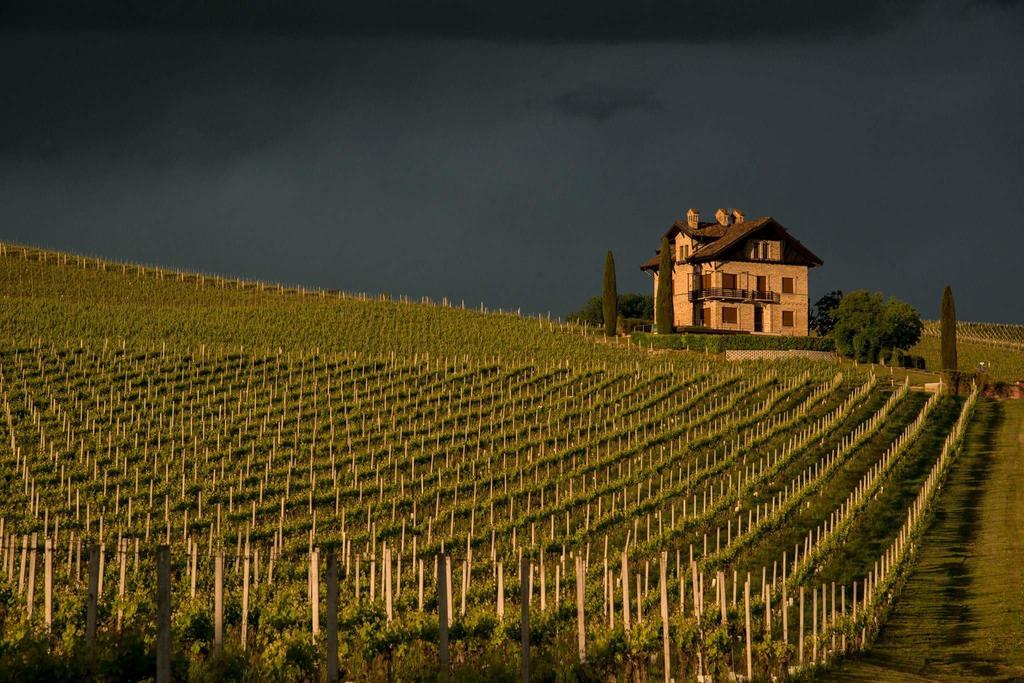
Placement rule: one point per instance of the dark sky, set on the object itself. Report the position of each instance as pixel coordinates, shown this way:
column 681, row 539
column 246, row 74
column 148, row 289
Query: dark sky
column 493, row 151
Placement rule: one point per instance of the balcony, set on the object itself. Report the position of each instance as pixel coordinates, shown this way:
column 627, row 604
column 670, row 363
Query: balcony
column 725, row 294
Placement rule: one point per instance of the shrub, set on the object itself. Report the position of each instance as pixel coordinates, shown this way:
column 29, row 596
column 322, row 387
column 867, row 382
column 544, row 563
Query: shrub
column 866, row 324
column 631, row 305
column 665, row 315
column 823, row 313
column 717, row 343
column 609, row 297
column 948, row 330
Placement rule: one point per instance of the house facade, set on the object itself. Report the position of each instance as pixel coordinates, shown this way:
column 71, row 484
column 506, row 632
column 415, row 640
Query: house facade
column 737, row 275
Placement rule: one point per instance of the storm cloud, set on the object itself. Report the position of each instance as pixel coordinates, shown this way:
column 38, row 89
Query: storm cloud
column 495, row 156
column 571, row 20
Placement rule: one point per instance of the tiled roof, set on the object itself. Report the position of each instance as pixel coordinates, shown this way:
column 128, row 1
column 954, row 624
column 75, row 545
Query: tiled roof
column 718, row 239
column 731, row 235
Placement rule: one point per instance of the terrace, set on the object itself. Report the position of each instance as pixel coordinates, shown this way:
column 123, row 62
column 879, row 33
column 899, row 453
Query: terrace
column 728, row 294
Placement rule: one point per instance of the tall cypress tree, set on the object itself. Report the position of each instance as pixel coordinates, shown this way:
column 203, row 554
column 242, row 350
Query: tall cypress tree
column 663, row 304
column 609, row 297
column 948, row 328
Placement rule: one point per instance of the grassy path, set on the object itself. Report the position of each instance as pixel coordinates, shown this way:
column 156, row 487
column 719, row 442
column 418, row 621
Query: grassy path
column 961, row 613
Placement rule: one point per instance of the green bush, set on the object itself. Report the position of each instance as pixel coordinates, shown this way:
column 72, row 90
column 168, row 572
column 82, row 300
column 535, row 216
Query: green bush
column 867, row 323
column 717, row 343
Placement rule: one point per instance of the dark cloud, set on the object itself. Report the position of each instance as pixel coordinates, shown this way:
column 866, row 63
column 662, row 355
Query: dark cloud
column 132, row 95
column 532, row 20
column 601, row 102
column 502, row 170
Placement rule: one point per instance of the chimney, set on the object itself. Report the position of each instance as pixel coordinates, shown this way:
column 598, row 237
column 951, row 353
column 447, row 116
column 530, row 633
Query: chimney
column 723, row 217
column 737, row 216
column 693, row 218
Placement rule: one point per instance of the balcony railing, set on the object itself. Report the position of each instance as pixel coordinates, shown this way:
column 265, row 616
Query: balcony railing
column 727, row 294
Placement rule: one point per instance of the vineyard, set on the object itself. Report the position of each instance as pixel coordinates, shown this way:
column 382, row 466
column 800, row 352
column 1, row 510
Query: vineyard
column 998, row 334
column 1000, row 347
column 224, row 479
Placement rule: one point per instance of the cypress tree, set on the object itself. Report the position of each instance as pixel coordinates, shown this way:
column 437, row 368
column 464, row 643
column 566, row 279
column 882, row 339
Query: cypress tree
column 609, row 298
column 663, row 304
column 948, row 329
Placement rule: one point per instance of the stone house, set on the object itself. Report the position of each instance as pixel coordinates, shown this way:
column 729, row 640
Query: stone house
column 737, row 275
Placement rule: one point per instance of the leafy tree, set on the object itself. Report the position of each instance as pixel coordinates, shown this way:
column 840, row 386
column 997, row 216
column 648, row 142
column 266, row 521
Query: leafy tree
column 609, row 298
column 865, row 324
column 631, row 305
column 823, row 313
column 592, row 312
column 948, row 330
column 640, row 306
column 901, row 325
column 664, row 294
column 857, row 323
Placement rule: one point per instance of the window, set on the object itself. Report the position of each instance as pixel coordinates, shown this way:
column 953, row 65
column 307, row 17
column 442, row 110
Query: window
column 728, row 281
column 705, row 317
column 787, row 318
column 729, row 315
column 787, row 285
column 765, row 250
column 683, row 251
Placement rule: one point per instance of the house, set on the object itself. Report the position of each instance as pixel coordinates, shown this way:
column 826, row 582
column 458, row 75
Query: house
column 736, row 274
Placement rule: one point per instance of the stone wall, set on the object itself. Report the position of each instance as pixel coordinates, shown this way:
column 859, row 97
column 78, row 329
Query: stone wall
column 767, row 354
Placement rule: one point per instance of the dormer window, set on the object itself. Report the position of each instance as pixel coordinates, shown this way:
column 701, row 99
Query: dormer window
column 764, row 250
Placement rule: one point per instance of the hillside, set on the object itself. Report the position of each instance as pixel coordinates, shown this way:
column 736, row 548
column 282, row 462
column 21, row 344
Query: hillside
column 453, row 463
column 999, row 346
column 49, row 294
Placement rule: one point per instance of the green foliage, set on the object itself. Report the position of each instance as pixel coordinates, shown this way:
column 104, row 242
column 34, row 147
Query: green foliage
column 609, row 296
column 639, row 306
column 717, row 343
column 632, row 306
column 666, row 316
column 901, row 325
column 866, row 324
column 857, row 329
column 948, row 333
column 592, row 313
column 57, row 298
column 401, row 418
column 1001, row 363
column 774, row 657
column 823, row 313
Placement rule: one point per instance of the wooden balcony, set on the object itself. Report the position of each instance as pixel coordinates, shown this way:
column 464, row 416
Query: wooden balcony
column 725, row 294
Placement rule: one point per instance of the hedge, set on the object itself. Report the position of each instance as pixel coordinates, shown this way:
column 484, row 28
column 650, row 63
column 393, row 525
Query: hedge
column 717, row 343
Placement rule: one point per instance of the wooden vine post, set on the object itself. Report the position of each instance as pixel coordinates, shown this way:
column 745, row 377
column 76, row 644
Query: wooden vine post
column 746, row 609
column 581, row 631
column 218, row 599
column 163, row 614
column 801, row 646
column 332, row 617
column 524, row 627
column 94, row 578
column 442, row 613
column 663, row 589
column 47, row 584
column 245, row 601
column 314, row 590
